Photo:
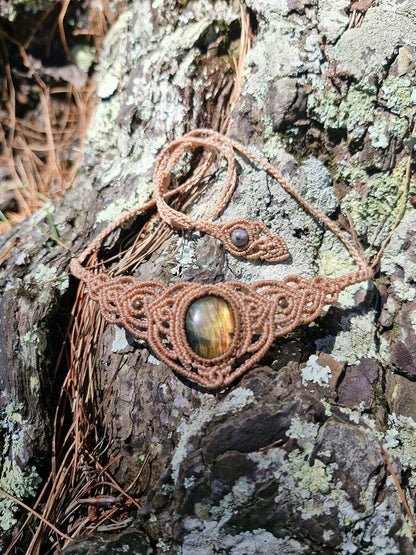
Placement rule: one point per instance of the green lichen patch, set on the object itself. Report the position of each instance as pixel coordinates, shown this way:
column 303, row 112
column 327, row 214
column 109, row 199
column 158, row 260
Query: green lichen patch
column 378, row 134
column 396, row 256
column 383, row 113
column 34, row 340
column 380, row 204
column 312, row 482
column 399, row 94
column 115, row 209
column 354, row 110
column 400, row 442
column 45, row 273
column 355, row 342
column 14, row 480
column 315, row 373
column 307, row 480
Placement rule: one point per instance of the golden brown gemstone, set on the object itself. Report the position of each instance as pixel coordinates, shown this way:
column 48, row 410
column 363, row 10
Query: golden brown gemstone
column 283, row 302
column 209, row 326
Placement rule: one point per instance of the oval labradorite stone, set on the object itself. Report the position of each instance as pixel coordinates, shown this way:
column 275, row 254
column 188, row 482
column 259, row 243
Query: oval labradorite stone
column 209, row 326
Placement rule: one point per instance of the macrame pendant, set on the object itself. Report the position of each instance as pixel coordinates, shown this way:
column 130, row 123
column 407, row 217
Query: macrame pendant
column 211, row 334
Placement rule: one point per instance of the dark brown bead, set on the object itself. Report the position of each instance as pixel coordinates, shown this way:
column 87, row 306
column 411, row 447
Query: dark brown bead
column 239, row 238
column 137, row 305
column 283, row 303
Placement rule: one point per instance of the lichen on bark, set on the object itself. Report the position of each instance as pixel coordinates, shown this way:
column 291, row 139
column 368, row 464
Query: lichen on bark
column 289, row 458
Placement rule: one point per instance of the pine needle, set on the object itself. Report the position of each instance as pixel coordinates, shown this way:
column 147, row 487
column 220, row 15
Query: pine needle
column 36, row 514
column 398, row 486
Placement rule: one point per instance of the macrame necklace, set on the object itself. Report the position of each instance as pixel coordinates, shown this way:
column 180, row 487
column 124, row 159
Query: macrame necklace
column 212, row 334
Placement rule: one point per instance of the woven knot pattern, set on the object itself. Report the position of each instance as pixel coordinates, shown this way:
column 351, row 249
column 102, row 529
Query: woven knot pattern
column 262, row 244
column 262, row 311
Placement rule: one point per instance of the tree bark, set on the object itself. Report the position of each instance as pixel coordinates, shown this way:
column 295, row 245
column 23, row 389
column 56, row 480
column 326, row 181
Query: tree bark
column 289, row 458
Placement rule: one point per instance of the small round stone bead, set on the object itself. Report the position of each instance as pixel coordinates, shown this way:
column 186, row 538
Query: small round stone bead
column 283, row 303
column 137, row 305
column 239, row 237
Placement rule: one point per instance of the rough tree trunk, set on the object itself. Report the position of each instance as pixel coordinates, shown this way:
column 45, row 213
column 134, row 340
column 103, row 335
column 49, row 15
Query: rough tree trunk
column 289, row 459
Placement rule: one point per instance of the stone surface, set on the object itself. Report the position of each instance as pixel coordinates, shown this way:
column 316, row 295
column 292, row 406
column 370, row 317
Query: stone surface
column 267, row 469
column 130, row 542
column 356, row 388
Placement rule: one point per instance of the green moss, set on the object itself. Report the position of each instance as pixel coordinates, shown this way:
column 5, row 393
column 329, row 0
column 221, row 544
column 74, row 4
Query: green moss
column 394, row 328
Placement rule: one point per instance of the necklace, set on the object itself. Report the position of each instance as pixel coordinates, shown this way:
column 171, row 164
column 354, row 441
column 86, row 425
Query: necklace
column 212, row 334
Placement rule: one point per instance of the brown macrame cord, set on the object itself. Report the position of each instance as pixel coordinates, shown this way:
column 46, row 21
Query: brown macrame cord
column 262, row 311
